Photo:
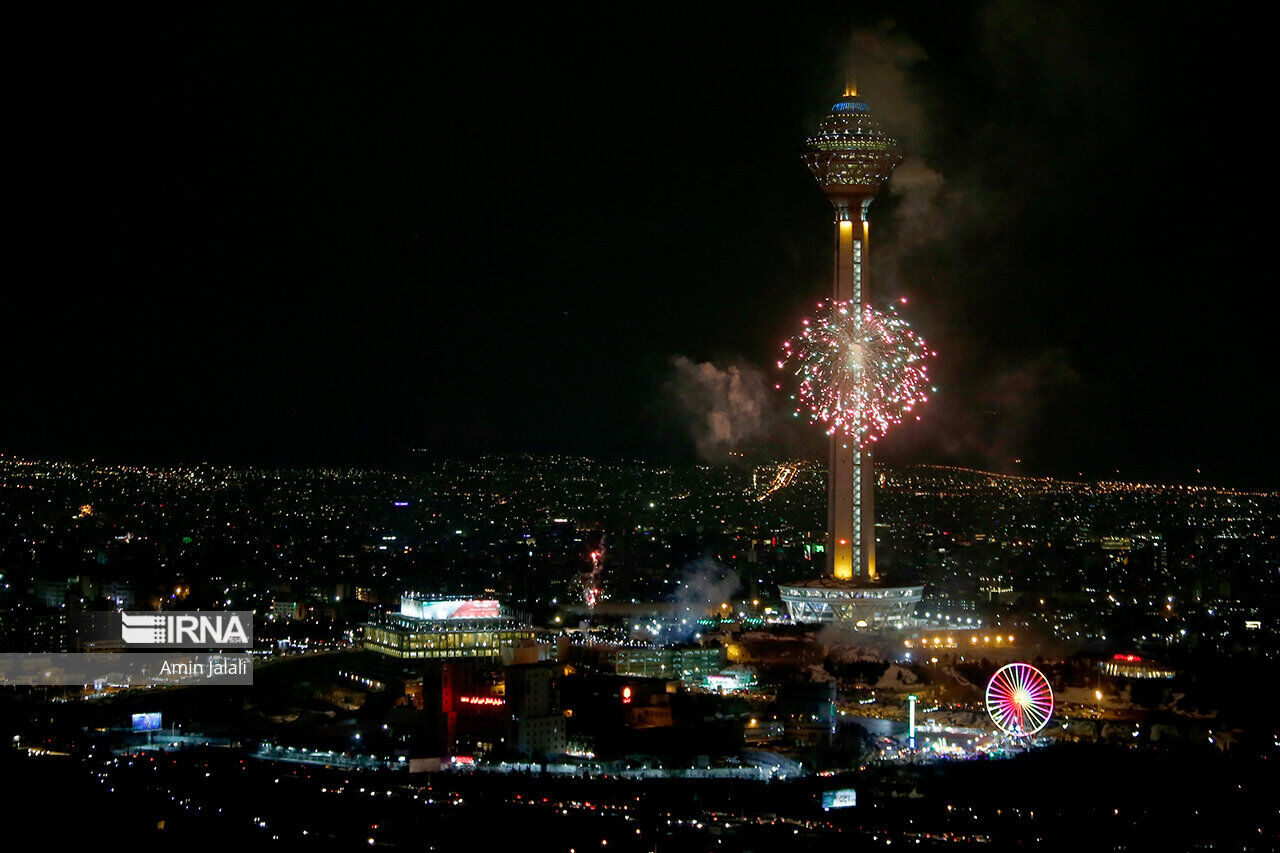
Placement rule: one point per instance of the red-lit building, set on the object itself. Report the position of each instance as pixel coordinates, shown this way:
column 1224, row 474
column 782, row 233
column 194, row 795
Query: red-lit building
column 1134, row 666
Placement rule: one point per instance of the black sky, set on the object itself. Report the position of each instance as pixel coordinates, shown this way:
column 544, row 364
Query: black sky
column 304, row 235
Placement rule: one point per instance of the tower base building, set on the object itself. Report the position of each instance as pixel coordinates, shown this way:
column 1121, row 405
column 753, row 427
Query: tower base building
column 849, row 603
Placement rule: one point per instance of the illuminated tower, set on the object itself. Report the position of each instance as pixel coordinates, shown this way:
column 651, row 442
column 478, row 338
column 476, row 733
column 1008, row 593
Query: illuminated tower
column 851, row 157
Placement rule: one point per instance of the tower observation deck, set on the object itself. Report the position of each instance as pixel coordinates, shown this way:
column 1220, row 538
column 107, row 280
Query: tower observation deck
column 851, row 157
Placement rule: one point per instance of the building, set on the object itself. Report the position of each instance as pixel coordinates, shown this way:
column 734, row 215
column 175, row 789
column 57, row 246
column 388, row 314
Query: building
column 968, row 642
column 445, row 628
column 34, row 631
column 850, row 157
column 849, row 603
column 288, row 611
column 533, row 700
column 690, row 665
column 738, row 678
column 599, row 707
column 463, row 709
column 808, row 710
column 1134, row 666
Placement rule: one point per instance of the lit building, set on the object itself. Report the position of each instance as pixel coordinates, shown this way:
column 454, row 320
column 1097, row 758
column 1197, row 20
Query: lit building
column 967, row 642
column 735, row 679
column 286, row 610
column 1133, row 666
column 850, row 157
column 691, row 665
column 27, row 631
column 448, row 628
column 537, row 721
column 850, row 603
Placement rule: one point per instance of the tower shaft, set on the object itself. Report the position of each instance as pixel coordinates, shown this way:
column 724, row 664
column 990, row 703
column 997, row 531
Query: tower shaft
column 851, row 158
column 851, row 529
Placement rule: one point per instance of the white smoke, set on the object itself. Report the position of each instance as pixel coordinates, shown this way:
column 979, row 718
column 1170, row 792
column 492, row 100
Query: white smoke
column 882, row 60
column 703, row 587
column 921, row 193
column 726, row 406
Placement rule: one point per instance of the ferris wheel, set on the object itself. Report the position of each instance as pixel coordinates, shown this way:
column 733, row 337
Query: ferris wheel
column 1019, row 699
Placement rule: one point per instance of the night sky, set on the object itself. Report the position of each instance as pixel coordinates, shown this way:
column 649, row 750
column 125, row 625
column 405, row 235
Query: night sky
column 329, row 235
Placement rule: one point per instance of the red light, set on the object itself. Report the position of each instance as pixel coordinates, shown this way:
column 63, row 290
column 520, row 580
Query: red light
column 1129, row 658
column 626, row 696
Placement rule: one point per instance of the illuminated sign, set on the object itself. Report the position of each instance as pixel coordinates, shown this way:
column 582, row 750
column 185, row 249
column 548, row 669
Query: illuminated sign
column 841, row 798
column 146, row 722
column 472, row 608
column 482, row 700
column 1129, row 658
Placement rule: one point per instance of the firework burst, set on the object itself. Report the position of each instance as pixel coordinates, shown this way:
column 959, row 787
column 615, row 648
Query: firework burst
column 589, row 581
column 861, row 371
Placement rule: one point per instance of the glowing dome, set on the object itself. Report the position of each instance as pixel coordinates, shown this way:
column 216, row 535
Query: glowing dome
column 851, row 155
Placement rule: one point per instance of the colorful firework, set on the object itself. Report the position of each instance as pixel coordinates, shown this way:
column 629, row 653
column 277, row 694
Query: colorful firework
column 589, row 581
column 1019, row 699
column 861, row 371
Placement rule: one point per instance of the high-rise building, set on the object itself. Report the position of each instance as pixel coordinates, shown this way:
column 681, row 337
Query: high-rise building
column 850, row 157
column 533, row 699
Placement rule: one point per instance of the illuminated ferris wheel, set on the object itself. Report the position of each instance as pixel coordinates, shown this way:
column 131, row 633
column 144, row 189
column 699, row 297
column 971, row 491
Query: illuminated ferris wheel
column 1019, row 699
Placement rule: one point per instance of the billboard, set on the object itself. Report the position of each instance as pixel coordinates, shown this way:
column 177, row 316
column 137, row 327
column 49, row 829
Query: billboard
column 149, row 722
column 841, row 798
column 471, row 608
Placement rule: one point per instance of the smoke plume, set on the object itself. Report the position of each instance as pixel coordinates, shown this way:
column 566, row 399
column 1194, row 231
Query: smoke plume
column 704, row 585
column 725, row 406
column 943, row 244
column 881, row 63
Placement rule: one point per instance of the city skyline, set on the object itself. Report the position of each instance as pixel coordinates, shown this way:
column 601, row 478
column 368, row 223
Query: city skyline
column 301, row 245
column 432, row 428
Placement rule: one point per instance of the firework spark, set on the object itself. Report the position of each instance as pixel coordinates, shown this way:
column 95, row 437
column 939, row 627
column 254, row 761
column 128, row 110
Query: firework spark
column 588, row 581
column 861, row 371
